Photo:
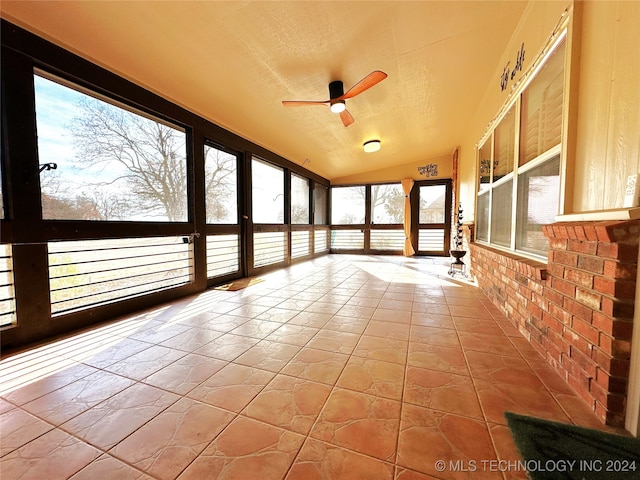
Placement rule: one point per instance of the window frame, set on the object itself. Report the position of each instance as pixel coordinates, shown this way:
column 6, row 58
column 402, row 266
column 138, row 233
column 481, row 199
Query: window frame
column 560, row 39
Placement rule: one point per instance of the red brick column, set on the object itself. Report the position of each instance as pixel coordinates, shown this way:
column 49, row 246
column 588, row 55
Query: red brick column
column 577, row 310
column 592, row 282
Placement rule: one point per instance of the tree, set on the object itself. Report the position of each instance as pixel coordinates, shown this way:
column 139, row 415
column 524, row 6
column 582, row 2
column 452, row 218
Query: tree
column 394, row 206
column 389, row 197
column 145, row 159
column 220, row 186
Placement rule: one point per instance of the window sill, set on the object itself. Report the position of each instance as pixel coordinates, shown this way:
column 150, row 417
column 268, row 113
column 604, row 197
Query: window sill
column 525, row 266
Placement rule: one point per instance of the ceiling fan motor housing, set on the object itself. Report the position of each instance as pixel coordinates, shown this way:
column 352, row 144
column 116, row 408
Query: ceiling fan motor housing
column 336, row 89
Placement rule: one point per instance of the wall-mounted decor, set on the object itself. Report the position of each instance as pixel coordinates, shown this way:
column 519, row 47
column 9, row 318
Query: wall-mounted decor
column 508, row 73
column 430, row 170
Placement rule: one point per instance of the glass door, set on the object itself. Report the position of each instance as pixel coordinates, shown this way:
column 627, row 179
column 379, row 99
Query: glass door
column 224, row 231
column 431, row 217
column 268, row 245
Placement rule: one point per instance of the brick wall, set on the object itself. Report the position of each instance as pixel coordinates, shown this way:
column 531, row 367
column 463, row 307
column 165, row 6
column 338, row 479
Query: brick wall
column 576, row 310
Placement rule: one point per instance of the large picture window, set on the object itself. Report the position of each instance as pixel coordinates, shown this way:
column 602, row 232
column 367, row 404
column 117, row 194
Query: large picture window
column 519, row 164
column 347, row 205
column 387, row 204
column 103, row 162
column 320, row 204
column 299, row 200
column 267, row 187
column 221, row 184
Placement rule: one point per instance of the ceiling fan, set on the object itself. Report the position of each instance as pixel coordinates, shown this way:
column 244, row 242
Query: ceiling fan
column 337, row 96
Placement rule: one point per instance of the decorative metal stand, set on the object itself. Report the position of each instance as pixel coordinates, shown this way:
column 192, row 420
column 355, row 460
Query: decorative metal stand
column 458, row 266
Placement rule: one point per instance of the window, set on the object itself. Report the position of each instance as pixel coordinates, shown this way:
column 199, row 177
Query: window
column 221, row 186
column 347, row 205
column 387, row 208
column 299, row 200
column 538, row 194
column 519, row 165
column 267, row 187
column 320, row 204
column 387, row 204
column 100, row 161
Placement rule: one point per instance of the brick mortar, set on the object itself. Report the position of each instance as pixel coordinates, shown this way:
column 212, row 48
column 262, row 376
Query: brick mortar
column 577, row 309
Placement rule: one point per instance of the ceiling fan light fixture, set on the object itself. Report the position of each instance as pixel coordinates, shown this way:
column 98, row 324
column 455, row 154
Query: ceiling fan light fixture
column 338, row 106
column 371, row 146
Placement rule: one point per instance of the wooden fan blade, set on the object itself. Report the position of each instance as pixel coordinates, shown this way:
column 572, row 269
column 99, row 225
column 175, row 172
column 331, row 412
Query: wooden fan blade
column 346, row 118
column 302, row 103
column 364, row 84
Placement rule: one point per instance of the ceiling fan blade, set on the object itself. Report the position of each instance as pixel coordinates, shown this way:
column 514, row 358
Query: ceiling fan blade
column 364, row 84
column 346, row 118
column 302, row 103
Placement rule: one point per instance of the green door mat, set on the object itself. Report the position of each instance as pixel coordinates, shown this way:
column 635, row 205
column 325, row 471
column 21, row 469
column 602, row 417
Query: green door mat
column 552, row 450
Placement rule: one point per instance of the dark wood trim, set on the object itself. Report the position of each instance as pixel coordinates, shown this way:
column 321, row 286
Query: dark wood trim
column 415, row 216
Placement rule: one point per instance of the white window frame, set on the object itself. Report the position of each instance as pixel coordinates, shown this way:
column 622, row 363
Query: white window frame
column 514, row 101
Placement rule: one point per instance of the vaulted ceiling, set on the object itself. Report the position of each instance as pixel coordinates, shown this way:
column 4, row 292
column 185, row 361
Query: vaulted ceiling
column 234, row 62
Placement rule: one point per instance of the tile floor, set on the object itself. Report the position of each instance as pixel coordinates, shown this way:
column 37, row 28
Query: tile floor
column 344, row 367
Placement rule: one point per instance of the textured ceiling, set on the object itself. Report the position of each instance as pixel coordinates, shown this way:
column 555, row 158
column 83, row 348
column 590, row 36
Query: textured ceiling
column 233, row 63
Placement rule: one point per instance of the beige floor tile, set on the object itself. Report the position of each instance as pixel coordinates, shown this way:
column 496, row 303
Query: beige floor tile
column 60, row 405
column 256, row 328
column 173, row 439
column 434, row 336
column 441, row 391
column 185, row 374
column 290, row 403
column 268, row 355
column 17, row 428
column 437, row 357
column 316, row 365
column 114, row 419
column 429, row 436
column 245, row 447
column 277, row 314
column 495, row 344
column 375, row 377
column 227, row 347
column 380, row 348
column 387, row 313
column 496, row 398
column 347, row 324
column 432, row 320
column 360, row 422
column 107, row 467
column 293, row 334
column 356, row 311
column 502, row 369
column 406, row 474
column 332, row 341
column 192, row 339
column 322, row 461
column 54, row 455
column 36, row 384
column 233, row 387
column 395, row 331
column 147, row 362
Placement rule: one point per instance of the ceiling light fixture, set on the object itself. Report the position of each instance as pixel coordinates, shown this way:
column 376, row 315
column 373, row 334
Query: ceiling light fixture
column 338, row 106
column 371, row 146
